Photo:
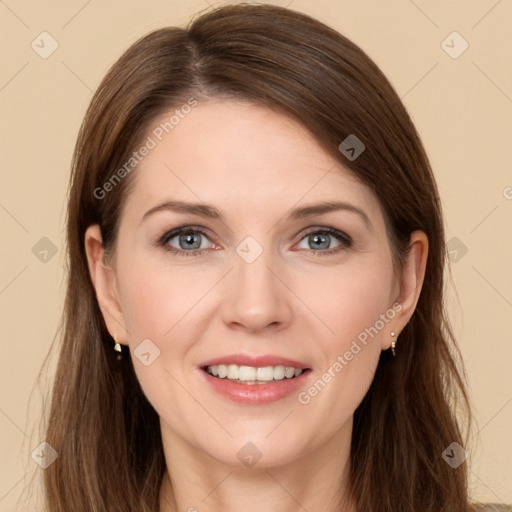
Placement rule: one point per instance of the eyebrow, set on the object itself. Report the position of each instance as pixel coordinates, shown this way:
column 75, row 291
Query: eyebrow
column 209, row 211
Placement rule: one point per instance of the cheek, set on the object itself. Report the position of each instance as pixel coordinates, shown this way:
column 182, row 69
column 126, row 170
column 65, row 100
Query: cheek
column 157, row 303
column 348, row 300
column 156, row 298
column 353, row 306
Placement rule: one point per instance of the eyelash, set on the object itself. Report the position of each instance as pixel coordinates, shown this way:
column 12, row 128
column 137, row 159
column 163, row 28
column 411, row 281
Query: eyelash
column 345, row 240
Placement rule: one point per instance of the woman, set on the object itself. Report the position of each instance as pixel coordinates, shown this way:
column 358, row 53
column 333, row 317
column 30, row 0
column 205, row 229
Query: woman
column 254, row 315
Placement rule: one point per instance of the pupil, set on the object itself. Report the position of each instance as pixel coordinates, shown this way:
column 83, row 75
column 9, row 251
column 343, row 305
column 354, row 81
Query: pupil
column 317, row 238
column 189, row 239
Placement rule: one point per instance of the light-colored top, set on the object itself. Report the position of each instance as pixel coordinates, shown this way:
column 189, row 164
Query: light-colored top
column 494, row 507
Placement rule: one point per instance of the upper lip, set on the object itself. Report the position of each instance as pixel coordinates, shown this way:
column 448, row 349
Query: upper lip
column 255, row 361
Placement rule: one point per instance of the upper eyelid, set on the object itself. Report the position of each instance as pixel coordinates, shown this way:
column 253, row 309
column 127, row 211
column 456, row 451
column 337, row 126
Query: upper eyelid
column 169, row 235
column 206, row 231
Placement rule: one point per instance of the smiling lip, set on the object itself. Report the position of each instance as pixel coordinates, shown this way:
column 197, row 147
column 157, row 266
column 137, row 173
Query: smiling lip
column 255, row 394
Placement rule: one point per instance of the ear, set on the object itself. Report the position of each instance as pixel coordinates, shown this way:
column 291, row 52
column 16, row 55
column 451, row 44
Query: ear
column 104, row 281
column 410, row 285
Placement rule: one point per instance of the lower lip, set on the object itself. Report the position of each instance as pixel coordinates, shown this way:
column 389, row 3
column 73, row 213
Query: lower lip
column 256, row 394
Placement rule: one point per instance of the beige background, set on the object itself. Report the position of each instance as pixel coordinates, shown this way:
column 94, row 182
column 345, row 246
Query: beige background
column 462, row 108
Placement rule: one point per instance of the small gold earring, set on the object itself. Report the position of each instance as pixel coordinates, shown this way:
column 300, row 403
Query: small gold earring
column 393, row 343
column 117, row 346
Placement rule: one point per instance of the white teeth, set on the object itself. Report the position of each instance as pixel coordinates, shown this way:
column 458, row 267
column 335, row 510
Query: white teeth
column 232, row 371
column 265, row 373
column 289, row 372
column 279, row 372
column 246, row 373
column 250, row 374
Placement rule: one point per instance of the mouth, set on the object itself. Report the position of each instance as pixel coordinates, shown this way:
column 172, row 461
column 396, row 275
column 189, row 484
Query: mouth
column 253, row 375
column 255, row 379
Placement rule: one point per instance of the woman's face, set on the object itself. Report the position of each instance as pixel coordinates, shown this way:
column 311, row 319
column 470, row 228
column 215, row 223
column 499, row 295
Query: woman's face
column 274, row 278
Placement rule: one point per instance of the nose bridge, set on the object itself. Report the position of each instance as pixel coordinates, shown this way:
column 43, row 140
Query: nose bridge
column 256, row 297
column 252, row 270
column 252, row 275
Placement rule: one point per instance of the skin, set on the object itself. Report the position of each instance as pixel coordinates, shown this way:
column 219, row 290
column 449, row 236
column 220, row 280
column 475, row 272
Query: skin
column 294, row 300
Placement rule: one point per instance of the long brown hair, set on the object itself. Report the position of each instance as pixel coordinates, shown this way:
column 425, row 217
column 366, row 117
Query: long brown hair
column 106, row 434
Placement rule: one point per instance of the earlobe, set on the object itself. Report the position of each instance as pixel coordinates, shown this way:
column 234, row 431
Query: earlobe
column 412, row 278
column 103, row 278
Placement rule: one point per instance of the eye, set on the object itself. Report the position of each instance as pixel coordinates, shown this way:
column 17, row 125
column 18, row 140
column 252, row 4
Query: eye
column 190, row 241
column 320, row 239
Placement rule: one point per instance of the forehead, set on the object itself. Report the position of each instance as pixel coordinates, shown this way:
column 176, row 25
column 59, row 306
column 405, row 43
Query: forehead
column 243, row 155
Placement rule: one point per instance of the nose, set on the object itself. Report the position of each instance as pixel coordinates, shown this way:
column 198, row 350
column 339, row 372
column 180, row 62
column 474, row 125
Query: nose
column 256, row 296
